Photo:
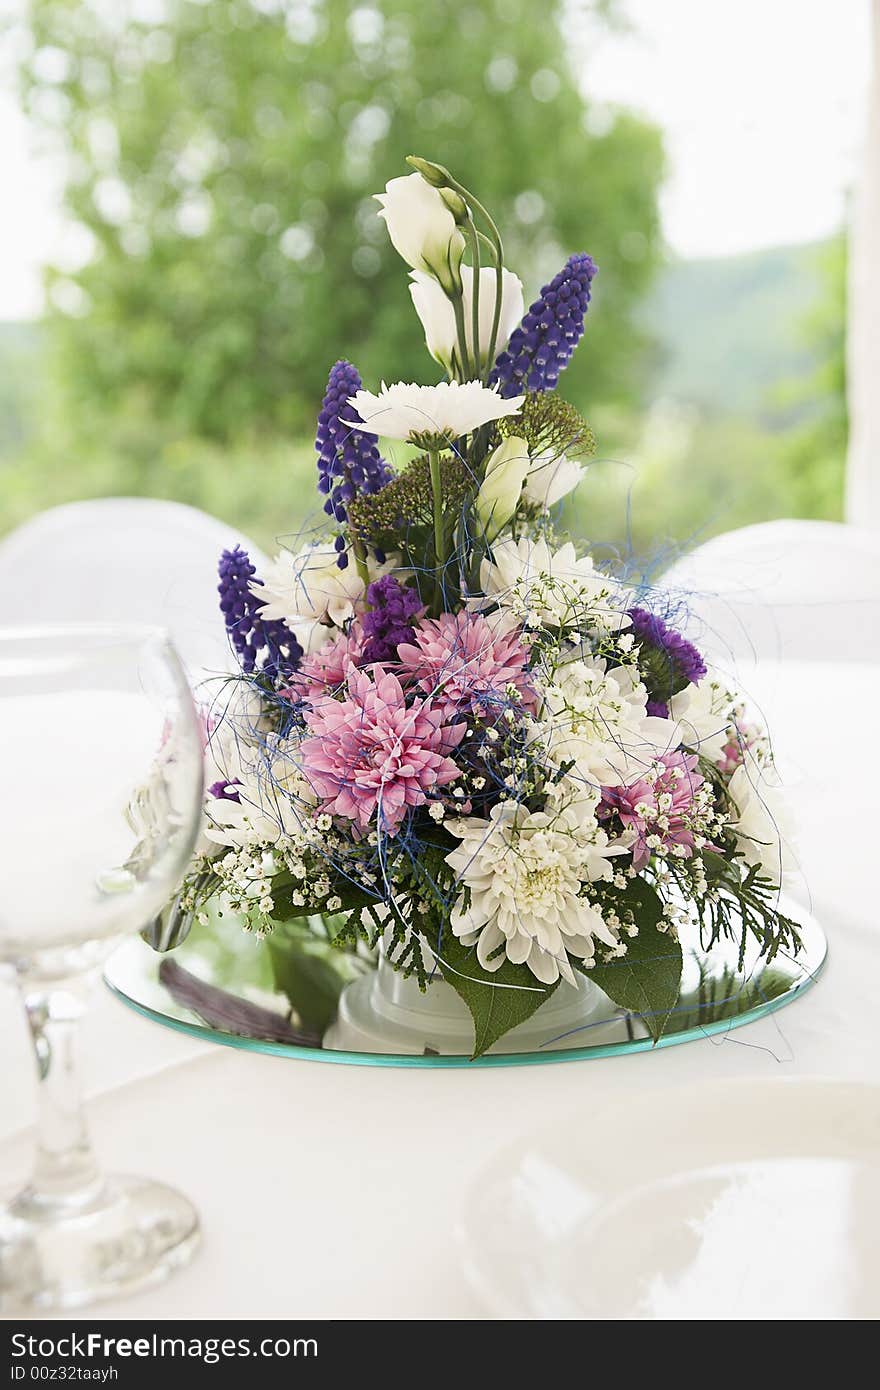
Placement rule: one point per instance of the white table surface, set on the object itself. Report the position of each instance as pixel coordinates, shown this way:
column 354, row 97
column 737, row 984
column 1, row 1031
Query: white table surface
column 335, row 1191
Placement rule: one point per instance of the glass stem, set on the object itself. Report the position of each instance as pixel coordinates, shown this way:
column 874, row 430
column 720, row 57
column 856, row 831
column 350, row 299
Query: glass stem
column 65, row 1171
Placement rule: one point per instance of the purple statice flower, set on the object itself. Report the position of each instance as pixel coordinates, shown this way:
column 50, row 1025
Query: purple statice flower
column 658, row 709
column 388, row 621
column 259, row 643
column 225, row 791
column 668, row 661
column 541, row 347
column 348, row 460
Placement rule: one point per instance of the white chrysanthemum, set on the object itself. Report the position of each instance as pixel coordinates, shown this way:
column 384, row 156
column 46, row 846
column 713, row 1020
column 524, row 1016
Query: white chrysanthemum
column 596, row 717
column 273, row 805
column 703, row 714
column 555, row 588
column 761, row 827
column 524, row 872
column 310, row 585
column 550, row 478
column 451, row 408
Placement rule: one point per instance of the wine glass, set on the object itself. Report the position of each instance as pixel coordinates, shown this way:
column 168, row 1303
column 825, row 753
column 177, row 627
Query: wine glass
column 101, row 764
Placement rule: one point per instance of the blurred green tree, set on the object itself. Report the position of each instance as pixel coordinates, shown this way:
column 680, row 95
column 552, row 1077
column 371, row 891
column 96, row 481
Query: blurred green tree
column 220, row 158
column 700, row 471
column 814, row 457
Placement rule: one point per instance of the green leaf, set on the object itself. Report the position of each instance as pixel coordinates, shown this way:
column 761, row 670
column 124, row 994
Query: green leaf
column 285, row 910
column 715, row 865
column 647, row 980
column 310, row 981
column 494, row 1008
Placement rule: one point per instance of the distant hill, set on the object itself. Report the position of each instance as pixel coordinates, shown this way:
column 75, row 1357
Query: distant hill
column 728, row 329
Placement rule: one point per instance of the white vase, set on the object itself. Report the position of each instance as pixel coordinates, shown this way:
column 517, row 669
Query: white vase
column 384, row 1012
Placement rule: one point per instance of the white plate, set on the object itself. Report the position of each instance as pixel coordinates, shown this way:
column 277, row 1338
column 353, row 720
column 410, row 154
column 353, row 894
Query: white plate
column 744, row 1199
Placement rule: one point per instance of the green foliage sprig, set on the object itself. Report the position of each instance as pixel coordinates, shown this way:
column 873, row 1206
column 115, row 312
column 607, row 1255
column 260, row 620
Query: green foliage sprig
column 551, row 426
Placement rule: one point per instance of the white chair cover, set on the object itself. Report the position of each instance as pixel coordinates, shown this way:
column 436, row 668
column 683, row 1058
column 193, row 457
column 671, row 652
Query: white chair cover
column 123, row 559
column 783, row 590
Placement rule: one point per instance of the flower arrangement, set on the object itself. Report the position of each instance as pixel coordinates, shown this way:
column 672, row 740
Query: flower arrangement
column 452, row 730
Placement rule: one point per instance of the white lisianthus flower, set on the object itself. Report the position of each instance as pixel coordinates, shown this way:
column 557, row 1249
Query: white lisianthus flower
column 597, row 718
column 451, row 409
column 703, row 714
column 422, row 229
column 310, row 585
column 524, row 872
column 236, row 723
column 434, row 308
column 552, row 588
column 551, row 477
column 313, row 635
column 501, row 489
column 761, row 826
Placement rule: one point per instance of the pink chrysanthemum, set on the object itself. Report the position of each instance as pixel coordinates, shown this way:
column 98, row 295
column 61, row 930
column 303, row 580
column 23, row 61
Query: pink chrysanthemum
column 668, row 802
column 371, row 755
column 467, row 665
column 326, row 669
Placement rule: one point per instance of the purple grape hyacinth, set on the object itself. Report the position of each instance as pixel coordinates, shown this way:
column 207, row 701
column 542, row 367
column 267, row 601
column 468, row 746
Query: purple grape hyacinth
column 259, row 642
column 541, row 347
column 669, row 662
column 388, row 622
column 348, row 461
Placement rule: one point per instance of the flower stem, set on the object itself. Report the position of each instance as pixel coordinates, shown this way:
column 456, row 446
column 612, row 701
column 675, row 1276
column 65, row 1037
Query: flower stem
column 498, row 252
column 358, row 549
column 475, row 294
column 439, row 557
column 458, row 310
column 475, row 203
column 496, row 316
column 360, row 560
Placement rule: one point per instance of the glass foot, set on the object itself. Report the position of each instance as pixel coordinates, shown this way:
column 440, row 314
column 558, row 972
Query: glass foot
column 131, row 1234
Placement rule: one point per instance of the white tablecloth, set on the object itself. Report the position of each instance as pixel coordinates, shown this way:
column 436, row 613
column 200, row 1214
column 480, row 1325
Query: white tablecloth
column 336, row 1191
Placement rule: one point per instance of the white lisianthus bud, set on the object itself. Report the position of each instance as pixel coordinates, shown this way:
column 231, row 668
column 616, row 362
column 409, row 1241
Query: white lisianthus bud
column 422, row 228
column 457, row 206
column 550, row 479
column 506, row 471
column 435, row 174
column 435, row 310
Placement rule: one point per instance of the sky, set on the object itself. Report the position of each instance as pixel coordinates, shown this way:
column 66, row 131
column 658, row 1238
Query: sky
column 763, row 107
column 762, row 104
